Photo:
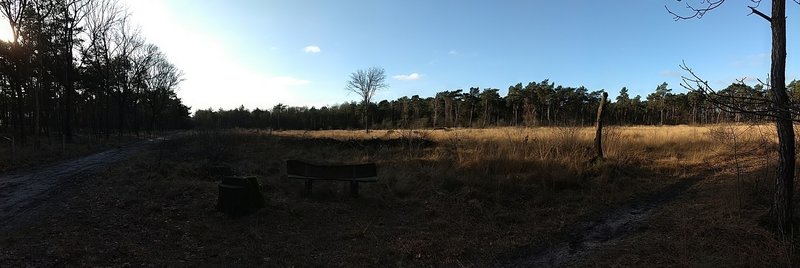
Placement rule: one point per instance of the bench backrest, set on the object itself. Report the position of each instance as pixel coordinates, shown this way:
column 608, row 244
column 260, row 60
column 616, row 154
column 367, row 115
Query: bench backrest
column 300, row 169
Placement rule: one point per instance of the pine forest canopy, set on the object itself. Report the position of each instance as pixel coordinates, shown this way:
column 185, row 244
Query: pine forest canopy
column 534, row 104
column 82, row 64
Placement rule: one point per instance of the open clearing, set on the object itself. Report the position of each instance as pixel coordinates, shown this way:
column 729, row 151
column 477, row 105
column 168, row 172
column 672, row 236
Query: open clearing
column 474, row 198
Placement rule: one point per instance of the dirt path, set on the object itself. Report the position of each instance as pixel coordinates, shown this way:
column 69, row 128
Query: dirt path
column 605, row 231
column 23, row 190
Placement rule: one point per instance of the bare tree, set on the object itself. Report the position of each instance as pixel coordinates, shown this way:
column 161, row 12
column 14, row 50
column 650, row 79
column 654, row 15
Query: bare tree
column 40, row 12
column 779, row 107
column 365, row 83
column 74, row 13
column 162, row 80
column 142, row 61
column 128, row 40
column 99, row 50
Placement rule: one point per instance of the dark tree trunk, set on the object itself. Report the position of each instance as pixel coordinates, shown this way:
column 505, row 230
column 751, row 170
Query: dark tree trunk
column 121, row 113
column 784, row 185
column 18, row 105
column 366, row 118
column 68, row 86
column 67, row 117
column 107, row 114
column 471, row 112
column 36, row 117
column 136, row 118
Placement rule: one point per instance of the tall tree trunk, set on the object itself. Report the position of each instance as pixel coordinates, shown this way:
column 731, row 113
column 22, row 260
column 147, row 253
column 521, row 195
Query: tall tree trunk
column 36, row 116
column 16, row 86
column 366, row 118
column 435, row 111
column 18, row 105
column 121, row 113
column 69, row 88
column 136, row 117
column 107, row 113
column 548, row 115
column 67, row 117
column 471, row 112
column 784, row 185
column 485, row 114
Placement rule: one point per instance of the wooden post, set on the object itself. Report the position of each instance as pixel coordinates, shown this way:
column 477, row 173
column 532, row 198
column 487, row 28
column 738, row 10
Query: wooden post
column 598, row 136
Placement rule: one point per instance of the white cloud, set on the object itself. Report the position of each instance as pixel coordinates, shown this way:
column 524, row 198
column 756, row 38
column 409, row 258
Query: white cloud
column 407, row 77
column 312, row 49
column 452, row 52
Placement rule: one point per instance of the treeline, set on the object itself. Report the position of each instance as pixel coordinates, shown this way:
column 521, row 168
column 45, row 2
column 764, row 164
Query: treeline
column 535, row 104
column 82, row 65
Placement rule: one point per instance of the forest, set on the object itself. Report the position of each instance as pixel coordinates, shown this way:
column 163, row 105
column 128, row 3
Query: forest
column 82, row 66
column 535, row 104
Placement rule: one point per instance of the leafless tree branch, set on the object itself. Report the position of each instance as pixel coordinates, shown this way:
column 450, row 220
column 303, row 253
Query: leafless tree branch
column 753, row 10
column 707, row 5
column 766, row 107
column 694, row 11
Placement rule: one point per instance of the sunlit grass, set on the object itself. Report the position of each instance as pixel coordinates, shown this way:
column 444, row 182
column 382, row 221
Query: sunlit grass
column 471, row 196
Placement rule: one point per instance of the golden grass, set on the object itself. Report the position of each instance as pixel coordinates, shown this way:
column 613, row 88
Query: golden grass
column 670, row 145
column 471, row 199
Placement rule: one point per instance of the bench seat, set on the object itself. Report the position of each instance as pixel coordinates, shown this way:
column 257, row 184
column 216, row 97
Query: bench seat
column 301, row 170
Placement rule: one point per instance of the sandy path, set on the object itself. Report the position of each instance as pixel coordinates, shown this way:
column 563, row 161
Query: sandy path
column 23, row 190
column 605, row 231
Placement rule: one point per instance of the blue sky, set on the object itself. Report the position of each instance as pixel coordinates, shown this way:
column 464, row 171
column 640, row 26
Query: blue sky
column 300, row 52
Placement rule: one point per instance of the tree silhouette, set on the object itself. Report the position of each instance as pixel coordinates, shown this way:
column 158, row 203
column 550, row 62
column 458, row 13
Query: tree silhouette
column 73, row 63
column 365, row 83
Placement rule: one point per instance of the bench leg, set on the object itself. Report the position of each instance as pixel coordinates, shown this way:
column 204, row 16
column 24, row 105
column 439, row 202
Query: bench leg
column 308, row 187
column 354, row 188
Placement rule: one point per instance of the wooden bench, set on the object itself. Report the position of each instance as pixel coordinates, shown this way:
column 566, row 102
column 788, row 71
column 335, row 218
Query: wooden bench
column 355, row 174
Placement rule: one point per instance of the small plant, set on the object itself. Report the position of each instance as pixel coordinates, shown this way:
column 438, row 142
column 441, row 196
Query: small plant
column 734, row 139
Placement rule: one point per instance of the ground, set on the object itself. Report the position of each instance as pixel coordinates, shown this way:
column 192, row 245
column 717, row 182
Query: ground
column 665, row 196
column 53, row 149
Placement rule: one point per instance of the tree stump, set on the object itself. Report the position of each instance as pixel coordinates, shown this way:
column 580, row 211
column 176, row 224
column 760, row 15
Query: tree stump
column 233, row 200
column 239, row 195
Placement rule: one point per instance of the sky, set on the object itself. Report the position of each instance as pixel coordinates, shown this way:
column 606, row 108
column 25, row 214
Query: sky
column 259, row 53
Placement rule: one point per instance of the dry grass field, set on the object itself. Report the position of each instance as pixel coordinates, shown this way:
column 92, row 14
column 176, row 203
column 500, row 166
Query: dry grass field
column 454, row 198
